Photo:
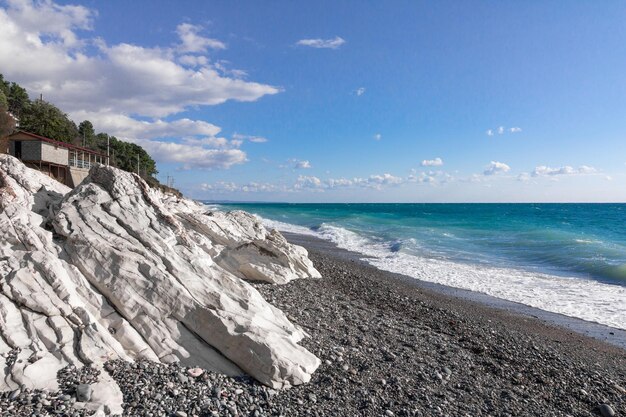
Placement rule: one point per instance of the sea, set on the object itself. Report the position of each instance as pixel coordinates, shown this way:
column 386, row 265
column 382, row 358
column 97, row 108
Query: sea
column 563, row 258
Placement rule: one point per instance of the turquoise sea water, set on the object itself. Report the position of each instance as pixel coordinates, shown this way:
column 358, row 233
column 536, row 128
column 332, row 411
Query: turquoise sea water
column 568, row 258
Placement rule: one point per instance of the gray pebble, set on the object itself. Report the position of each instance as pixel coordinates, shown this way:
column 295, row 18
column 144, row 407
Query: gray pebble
column 83, row 392
column 606, row 410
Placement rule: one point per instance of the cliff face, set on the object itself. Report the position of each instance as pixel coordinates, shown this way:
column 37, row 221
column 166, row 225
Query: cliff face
column 115, row 269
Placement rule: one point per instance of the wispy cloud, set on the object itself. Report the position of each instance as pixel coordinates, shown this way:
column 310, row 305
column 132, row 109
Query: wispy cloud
column 360, row 91
column 437, row 162
column 429, row 177
column 333, row 43
column 222, row 187
column 297, row 164
column 192, row 41
column 302, row 165
column 501, row 130
column 308, row 182
column 378, row 136
column 253, row 139
column 554, row 172
column 193, row 157
column 543, row 170
column 496, row 167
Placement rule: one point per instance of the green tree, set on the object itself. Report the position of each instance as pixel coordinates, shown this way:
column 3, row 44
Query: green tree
column 45, row 119
column 4, row 103
column 87, row 133
column 124, row 156
column 4, row 86
column 18, row 100
column 7, row 123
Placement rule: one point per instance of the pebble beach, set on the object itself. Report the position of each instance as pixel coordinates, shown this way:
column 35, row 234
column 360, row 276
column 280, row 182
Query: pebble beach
column 389, row 347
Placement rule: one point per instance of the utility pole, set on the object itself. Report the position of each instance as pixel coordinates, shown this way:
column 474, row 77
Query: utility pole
column 108, row 151
column 137, row 164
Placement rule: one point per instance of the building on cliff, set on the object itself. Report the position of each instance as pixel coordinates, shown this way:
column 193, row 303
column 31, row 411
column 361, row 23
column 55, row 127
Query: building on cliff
column 67, row 163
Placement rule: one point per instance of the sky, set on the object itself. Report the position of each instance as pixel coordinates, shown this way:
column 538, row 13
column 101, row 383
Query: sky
column 343, row 101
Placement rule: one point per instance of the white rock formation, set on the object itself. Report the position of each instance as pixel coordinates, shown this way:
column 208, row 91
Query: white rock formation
column 115, row 269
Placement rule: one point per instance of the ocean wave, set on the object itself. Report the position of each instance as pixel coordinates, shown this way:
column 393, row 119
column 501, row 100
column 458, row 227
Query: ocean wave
column 286, row 227
column 571, row 296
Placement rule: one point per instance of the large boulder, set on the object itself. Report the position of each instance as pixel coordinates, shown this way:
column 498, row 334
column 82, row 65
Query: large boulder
column 115, row 269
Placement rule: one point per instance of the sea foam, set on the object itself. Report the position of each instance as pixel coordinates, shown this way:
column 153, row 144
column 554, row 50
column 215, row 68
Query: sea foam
column 571, row 296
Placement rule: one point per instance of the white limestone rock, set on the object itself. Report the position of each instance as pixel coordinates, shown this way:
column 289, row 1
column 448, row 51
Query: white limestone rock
column 115, row 269
column 243, row 246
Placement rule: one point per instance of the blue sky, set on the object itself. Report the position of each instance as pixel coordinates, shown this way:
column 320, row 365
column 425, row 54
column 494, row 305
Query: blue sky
column 343, row 101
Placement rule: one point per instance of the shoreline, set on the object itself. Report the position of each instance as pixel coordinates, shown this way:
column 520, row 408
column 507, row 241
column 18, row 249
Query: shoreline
column 392, row 347
column 597, row 331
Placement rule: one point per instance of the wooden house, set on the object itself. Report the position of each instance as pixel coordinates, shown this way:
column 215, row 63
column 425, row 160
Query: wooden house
column 65, row 162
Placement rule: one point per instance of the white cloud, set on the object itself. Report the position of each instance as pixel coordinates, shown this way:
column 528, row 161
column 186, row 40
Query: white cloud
column 212, row 142
column 127, row 90
column 297, row 164
column 501, row 130
column 496, row 167
column 224, row 67
column 432, row 162
column 585, row 169
column 334, row 43
column 257, row 139
column 378, row 180
column 308, row 182
column 128, row 78
column 251, row 187
column 193, row 157
column 191, row 41
column 543, row 170
column 45, row 18
column 253, row 139
column 124, row 126
column 360, row 91
column 315, row 184
column 339, row 182
column 193, row 60
column 378, row 136
column 429, row 177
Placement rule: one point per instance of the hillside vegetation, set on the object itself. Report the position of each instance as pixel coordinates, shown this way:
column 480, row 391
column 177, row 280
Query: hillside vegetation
column 45, row 119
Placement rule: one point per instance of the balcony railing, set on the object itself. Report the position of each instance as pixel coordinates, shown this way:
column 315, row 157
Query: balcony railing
column 84, row 160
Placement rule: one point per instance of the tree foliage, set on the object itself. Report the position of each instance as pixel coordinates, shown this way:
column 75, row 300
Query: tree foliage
column 17, row 97
column 7, row 123
column 45, row 119
column 124, row 154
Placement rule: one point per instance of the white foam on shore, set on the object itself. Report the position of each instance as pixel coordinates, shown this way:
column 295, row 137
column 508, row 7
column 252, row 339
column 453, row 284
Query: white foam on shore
column 287, row 227
column 575, row 297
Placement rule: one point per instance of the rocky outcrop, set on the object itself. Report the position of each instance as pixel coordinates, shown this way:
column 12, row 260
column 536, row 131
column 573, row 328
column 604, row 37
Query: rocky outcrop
column 115, row 269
